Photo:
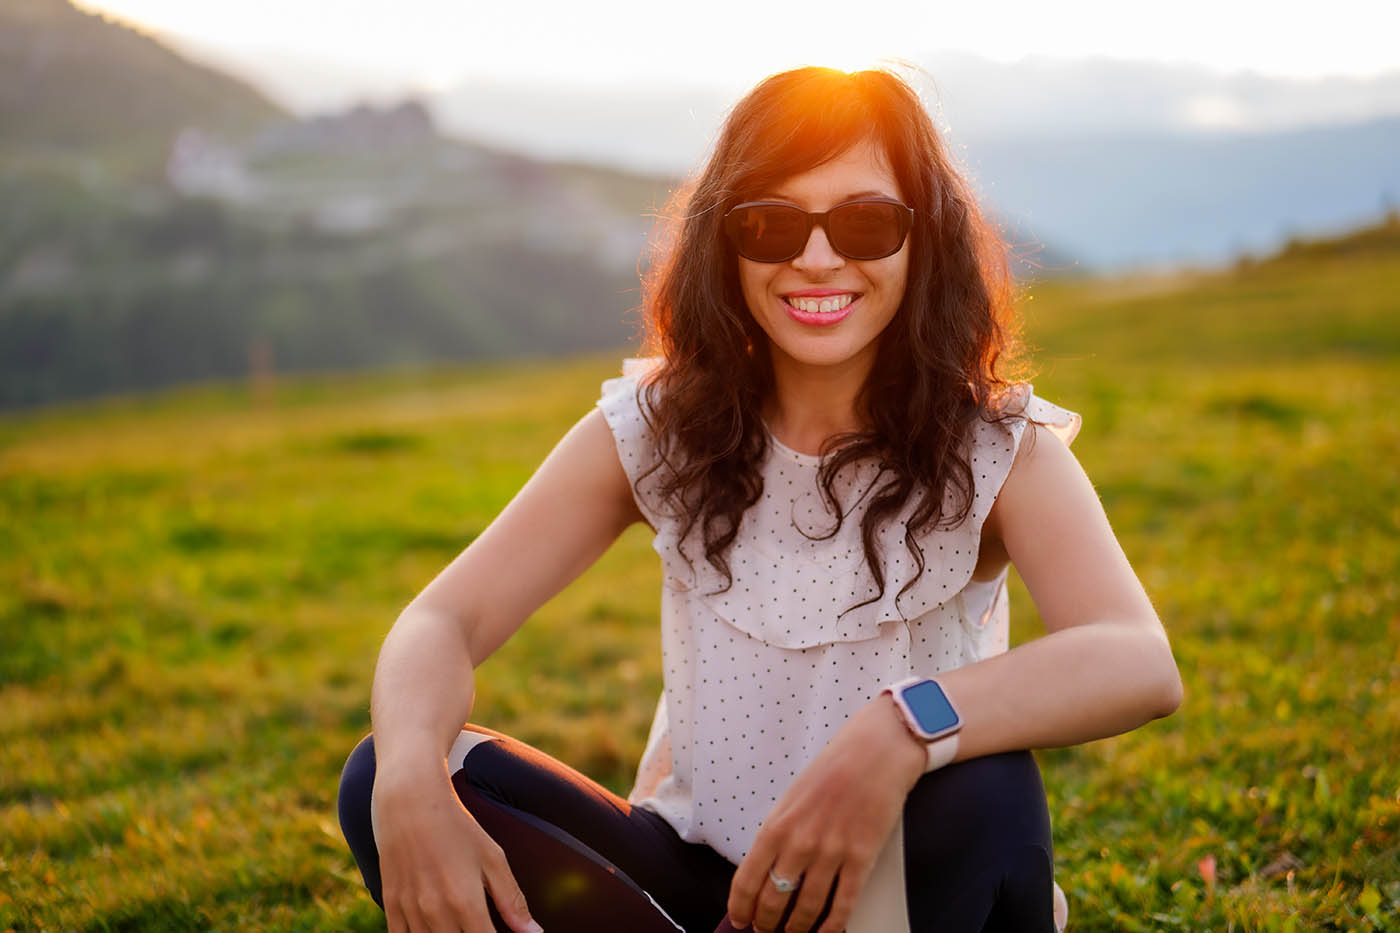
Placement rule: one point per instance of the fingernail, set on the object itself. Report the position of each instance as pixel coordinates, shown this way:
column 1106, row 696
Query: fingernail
column 534, row 928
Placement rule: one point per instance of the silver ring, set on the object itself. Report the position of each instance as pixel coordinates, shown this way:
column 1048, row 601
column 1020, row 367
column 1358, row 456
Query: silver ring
column 783, row 885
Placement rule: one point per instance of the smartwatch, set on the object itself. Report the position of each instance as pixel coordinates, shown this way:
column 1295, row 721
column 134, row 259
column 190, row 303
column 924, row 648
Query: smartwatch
column 930, row 716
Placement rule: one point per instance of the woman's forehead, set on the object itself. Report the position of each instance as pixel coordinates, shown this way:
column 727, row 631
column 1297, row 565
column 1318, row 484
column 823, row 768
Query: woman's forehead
column 860, row 171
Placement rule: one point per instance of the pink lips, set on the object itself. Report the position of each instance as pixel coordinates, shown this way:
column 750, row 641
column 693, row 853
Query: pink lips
column 812, row 319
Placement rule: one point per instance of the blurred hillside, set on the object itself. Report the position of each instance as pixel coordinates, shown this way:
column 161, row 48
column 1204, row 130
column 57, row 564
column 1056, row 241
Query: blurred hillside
column 163, row 223
column 75, row 86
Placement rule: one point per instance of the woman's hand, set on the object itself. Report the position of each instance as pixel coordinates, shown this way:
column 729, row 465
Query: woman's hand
column 437, row 864
column 829, row 826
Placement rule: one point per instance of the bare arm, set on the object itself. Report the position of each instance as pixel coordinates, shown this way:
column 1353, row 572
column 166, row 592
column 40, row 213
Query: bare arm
column 1105, row 667
column 569, row 512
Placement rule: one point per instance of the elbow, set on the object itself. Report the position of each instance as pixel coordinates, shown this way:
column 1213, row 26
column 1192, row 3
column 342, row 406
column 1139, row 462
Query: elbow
column 1157, row 687
column 1171, row 696
column 1170, row 692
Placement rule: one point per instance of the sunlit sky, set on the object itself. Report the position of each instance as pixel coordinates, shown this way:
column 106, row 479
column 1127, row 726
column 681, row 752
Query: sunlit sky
column 432, row 44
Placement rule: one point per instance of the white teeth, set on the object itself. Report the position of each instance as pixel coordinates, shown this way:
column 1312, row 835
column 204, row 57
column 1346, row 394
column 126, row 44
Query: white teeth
column 821, row 305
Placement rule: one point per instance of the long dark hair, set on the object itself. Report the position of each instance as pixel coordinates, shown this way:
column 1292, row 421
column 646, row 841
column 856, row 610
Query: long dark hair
column 939, row 363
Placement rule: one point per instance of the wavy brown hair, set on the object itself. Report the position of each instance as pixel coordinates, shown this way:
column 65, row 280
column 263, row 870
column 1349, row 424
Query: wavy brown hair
column 939, row 363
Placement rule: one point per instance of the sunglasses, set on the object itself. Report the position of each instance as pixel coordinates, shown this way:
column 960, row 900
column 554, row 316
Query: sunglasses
column 866, row 228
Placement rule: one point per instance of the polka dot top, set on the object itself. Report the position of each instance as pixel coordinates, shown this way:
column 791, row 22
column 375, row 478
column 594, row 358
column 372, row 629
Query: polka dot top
column 760, row 676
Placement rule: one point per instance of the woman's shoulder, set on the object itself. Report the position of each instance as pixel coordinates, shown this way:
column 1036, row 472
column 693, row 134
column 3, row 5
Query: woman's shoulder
column 999, row 437
column 622, row 400
column 1037, row 470
column 1019, row 407
column 636, row 371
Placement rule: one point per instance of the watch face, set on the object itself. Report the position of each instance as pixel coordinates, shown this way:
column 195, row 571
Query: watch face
column 930, row 707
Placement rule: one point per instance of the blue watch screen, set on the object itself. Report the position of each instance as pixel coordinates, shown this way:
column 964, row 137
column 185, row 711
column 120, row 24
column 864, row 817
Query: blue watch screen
column 930, row 707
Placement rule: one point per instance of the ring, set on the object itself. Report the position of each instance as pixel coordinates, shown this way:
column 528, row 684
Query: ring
column 783, row 885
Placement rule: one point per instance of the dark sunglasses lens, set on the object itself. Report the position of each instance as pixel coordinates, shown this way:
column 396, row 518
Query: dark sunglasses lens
column 866, row 229
column 770, row 232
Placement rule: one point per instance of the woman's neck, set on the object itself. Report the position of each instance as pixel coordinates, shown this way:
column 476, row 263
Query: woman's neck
column 811, row 404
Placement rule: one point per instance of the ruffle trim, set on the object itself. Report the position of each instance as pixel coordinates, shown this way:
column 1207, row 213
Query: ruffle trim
column 621, row 403
column 797, row 590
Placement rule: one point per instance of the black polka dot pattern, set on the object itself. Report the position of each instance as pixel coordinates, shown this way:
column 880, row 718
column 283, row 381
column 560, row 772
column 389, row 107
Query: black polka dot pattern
column 759, row 677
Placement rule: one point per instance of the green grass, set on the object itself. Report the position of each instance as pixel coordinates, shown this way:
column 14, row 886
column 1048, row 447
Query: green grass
column 193, row 588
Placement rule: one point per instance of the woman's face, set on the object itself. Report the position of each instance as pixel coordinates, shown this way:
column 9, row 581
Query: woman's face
column 861, row 295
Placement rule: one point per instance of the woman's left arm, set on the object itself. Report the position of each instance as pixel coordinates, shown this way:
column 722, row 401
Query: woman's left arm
column 1105, row 667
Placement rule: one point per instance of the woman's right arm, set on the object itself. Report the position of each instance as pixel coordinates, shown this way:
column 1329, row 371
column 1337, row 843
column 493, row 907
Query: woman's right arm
column 436, row 863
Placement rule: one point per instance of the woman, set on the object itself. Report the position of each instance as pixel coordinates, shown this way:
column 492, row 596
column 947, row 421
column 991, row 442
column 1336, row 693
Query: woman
column 838, row 476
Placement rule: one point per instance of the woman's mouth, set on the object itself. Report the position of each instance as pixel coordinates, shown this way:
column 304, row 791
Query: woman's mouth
column 820, row 310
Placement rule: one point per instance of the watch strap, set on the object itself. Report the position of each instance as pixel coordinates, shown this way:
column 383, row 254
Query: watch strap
column 941, row 752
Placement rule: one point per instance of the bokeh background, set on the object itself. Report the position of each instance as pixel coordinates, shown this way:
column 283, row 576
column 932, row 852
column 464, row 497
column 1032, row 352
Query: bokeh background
column 294, row 295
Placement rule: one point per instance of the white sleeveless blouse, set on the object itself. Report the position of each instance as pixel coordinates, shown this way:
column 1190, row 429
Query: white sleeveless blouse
column 759, row 677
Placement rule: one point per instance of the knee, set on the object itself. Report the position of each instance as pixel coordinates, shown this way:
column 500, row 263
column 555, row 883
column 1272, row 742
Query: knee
column 997, row 773
column 353, row 801
column 353, row 805
column 1027, row 873
column 995, row 802
column 991, row 783
column 1025, row 893
column 471, row 738
column 357, row 781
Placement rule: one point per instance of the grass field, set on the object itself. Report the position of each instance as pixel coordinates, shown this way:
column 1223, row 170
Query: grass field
column 193, row 588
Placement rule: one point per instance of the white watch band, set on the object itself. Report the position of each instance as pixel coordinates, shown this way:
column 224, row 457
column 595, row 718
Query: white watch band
column 941, row 752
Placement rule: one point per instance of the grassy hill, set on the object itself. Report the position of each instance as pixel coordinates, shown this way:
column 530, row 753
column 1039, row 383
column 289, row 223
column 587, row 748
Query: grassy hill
column 193, row 587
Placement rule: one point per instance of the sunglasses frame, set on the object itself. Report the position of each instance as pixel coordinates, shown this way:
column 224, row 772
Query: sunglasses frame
column 904, row 220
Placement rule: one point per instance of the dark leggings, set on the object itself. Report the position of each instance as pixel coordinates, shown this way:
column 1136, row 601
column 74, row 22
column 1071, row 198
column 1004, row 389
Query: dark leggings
column 977, row 851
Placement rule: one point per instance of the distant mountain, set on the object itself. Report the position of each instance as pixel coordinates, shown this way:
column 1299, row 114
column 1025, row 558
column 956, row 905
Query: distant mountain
column 1111, row 164
column 1112, row 202
column 1078, row 154
column 164, row 224
column 73, row 81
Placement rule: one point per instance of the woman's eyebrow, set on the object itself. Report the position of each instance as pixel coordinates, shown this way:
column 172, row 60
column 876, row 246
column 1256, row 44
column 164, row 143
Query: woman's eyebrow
column 867, row 193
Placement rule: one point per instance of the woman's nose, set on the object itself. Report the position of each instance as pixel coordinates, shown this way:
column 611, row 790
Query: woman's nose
column 817, row 255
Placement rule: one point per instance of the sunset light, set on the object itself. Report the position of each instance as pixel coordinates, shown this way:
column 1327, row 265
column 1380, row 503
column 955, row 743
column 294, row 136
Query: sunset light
column 473, row 464
column 430, row 43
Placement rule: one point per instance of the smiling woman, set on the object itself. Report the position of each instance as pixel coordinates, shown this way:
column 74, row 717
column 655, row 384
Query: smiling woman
column 839, row 474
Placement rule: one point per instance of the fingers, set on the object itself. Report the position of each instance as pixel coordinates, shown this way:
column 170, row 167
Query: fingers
column 505, row 892
column 749, row 880
column 831, row 883
column 812, row 896
column 755, row 899
column 437, row 878
column 843, row 900
column 772, row 903
column 434, row 913
column 397, row 923
column 438, row 906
